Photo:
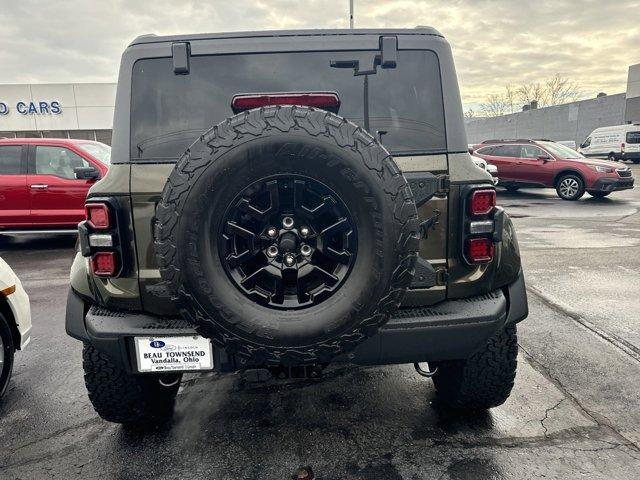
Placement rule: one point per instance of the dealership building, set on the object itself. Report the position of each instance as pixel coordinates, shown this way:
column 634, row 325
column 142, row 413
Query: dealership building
column 58, row 110
column 85, row 111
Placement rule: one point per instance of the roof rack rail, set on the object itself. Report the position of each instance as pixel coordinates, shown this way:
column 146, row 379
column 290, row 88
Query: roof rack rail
column 509, row 140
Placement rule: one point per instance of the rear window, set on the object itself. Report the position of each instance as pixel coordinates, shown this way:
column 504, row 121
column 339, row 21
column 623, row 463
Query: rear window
column 507, row 151
column 10, row 159
column 169, row 111
column 633, row 137
column 486, row 150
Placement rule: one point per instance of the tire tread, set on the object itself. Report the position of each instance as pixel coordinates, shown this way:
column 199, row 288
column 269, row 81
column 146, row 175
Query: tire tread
column 483, row 381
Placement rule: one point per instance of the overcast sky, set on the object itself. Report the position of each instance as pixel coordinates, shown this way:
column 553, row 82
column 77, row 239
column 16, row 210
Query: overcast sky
column 494, row 42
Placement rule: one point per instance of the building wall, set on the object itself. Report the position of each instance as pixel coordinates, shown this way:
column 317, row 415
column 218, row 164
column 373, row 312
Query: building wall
column 82, row 110
column 632, row 113
column 571, row 121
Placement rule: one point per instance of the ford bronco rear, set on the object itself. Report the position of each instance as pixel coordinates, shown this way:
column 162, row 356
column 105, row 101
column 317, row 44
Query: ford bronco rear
column 281, row 201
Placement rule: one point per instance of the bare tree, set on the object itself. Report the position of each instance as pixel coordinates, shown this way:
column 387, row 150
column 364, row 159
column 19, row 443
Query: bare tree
column 510, row 98
column 560, row 90
column 494, row 105
column 529, row 92
column 554, row 91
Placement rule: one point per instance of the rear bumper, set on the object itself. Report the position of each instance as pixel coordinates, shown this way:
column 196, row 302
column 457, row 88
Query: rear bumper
column 453, row 329
column 611, row 184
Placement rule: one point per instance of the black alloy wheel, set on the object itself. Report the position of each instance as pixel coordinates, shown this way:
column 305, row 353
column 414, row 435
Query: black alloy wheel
column 287, row 241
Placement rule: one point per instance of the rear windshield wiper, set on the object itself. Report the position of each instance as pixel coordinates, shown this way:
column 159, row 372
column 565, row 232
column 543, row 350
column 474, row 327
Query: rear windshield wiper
column 387, row 58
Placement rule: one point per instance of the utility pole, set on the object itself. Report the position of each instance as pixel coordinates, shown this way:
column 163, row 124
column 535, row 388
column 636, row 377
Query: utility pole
column 350, row 13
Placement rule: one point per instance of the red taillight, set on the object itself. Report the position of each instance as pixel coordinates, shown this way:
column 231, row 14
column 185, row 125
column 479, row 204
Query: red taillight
column 325, row 100
column 482, row 202
column 622, row 148
column 480, row 250
column 97, row 215
column 104, row 264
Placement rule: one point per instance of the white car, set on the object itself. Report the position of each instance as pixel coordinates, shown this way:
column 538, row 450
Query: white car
column 15, row 321
column 487, row 167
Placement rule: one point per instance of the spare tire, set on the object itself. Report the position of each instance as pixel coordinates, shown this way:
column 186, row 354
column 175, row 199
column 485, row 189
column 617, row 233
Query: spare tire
column 287, row 234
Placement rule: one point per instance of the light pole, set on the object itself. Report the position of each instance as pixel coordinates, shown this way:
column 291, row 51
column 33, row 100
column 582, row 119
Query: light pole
column 350, row 13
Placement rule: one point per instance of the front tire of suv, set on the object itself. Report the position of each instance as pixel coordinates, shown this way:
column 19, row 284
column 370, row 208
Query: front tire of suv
column 570, row 187
column 120, row 397
column 483, row 381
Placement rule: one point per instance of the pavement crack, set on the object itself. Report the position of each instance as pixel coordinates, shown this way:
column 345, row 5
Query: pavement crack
column 546, row 416
column 595, row 417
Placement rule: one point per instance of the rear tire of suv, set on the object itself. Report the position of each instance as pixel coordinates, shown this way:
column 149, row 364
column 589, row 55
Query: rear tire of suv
column 512, row 188
column 570, row 187
column 483, row 381
column 120, row 397
column 612, row 157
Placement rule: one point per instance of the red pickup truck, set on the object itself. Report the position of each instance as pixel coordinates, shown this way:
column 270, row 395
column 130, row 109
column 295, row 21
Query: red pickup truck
column 44, row 182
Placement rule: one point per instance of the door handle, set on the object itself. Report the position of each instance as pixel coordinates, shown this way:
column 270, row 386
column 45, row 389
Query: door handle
column 39, row 186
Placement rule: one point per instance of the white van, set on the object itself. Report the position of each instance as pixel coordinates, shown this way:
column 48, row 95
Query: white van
column 620, row 142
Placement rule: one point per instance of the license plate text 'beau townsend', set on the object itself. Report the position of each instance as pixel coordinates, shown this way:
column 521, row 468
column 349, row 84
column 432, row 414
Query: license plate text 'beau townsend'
column 166, row 354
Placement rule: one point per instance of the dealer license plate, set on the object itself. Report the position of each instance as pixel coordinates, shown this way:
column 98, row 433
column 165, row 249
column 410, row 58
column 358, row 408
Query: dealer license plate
column 170, row 354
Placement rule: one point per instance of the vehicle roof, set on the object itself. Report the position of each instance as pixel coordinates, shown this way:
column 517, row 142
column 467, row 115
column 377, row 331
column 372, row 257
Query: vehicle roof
column 511, row 140
column 152, row 38
column 625, row 126
column 46, row 140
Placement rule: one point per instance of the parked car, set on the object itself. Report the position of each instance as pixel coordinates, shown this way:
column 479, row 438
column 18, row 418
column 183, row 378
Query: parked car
column 619, row 142
column 487, row 167
column 15, row 321
column 278, row 235
column 44, row 182
column 546, row 164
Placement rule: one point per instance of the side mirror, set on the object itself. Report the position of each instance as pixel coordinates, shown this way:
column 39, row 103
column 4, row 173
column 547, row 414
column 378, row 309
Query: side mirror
column 86, row 173
column 582, row 145
column 544, row 158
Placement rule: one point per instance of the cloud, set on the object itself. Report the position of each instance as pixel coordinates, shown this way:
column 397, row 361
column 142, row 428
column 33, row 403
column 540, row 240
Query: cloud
column 495, row 42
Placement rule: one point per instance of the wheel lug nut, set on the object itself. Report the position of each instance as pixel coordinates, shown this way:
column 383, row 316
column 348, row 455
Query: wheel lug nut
column 287, row 222
column 289, row 260
column 305, row 250
column 272, row 232
column 304, row 231
column 272, row 251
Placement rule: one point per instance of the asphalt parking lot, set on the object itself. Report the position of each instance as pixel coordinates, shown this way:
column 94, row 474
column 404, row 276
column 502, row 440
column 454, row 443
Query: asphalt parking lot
column 573, row 413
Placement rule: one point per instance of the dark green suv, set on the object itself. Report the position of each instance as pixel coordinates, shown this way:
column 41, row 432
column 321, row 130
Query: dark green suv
column 281, row 201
